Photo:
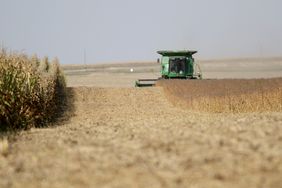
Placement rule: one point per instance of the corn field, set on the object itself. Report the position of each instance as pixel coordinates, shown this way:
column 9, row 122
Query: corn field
column 31, row 91
column 226, row 95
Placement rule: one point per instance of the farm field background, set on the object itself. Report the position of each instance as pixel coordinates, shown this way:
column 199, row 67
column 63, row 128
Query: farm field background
column 115, row 135
column 102, row 75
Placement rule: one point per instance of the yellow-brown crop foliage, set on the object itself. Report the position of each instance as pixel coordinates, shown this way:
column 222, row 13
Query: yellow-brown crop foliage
column 31, row 91
column 225, row 95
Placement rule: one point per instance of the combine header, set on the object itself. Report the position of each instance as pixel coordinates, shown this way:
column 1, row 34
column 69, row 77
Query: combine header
column 145, row 82
column 175, row 65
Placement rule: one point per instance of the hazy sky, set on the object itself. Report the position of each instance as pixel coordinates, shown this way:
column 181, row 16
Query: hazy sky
column 133, row 30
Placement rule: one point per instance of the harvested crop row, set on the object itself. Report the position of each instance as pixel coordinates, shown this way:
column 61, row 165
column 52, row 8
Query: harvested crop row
column 226, row 95
column 31, row 90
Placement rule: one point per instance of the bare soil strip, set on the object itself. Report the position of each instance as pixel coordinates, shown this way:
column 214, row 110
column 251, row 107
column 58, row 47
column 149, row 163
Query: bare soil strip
column 136, row 138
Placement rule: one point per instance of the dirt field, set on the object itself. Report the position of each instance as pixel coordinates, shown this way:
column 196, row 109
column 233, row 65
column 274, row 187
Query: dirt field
column 131, row 137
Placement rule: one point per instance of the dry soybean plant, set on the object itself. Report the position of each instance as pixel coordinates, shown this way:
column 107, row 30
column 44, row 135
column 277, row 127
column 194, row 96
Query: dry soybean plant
column 31, row 91
column 226, row 95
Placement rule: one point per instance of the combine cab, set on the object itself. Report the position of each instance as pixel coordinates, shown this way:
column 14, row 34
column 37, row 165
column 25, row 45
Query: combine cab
column 175, row 65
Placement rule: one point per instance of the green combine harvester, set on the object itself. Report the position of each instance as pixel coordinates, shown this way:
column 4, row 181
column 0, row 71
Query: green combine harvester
column 175, row 65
